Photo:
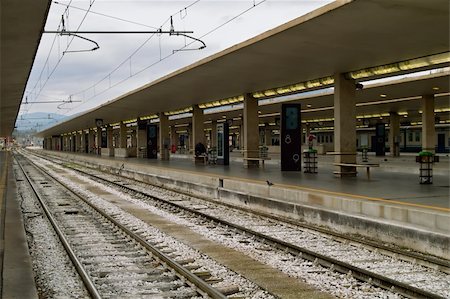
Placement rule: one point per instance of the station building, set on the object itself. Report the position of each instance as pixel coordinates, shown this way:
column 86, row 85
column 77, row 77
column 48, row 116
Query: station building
column 365, row 75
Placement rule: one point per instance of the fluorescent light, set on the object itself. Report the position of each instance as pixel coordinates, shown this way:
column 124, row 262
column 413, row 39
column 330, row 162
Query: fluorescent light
column 180, row 111
column 401, row 66
column 288, row 89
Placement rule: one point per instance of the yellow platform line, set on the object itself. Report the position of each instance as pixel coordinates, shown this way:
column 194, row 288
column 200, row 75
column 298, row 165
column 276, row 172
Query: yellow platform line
column 306, row 189
column 362, row 197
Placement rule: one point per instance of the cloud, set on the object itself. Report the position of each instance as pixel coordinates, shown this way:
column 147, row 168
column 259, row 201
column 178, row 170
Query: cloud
column 79, row 71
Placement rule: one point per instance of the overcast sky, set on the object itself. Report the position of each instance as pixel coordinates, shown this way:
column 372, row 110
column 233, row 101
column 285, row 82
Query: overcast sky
column 78, row 75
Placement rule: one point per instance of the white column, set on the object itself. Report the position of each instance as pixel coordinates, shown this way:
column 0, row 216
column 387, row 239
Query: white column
column 394, row 134
column 122, row 135
column 164, row 138
column 173, row 137
column 198, row 126
column 428, row 123
column 214, row 134
column 141, row 139
column 344, row 124
column 99, row 140
column 251, row 130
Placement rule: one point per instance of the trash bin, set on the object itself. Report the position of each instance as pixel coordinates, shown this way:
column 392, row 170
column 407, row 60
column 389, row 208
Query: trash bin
column 365, row 158
column 310, row 161
column 426, row 160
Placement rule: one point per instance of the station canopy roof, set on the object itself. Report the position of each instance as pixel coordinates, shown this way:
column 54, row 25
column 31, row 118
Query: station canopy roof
column 22, row 24
column 341, row 37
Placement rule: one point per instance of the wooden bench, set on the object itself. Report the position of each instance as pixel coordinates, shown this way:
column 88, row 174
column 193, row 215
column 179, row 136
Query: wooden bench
column 257, row 159
column 366, row 165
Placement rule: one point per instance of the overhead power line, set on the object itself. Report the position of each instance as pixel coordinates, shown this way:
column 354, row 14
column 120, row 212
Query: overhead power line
column 91, row 2
column 157, row 62
column 105, row 15
column 128, row 59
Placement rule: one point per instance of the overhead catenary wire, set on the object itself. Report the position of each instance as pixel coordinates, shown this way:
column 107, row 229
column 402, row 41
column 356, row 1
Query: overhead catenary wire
column 46, row 63
column 108, row 76
column 162, row 58
column 105, row 15
column 67, row 47
column 66, row 12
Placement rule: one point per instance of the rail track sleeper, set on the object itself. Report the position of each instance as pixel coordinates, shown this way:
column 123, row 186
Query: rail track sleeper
column 342, row 267
column 202, row 287
column 79, row 267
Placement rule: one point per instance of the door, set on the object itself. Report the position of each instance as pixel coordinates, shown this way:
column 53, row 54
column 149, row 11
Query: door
column 441, row 143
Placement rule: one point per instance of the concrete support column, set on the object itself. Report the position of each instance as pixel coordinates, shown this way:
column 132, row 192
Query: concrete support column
column 344, row 124
column 109, row 142
column 141, row 139
column 83, row 142
column 134, row 137
column 307, row 132
column 190, row 139
column 164, row 138
column 99, row 140
column 428, row 123
column 76, row 142
column 267, row 136
column 214, row 134
column 123, row 135
column 173, row 137
column 80, row 142
column 91, row 141
column 198, row 128
column 241, row 137
column 251, row 131
column 394, row 134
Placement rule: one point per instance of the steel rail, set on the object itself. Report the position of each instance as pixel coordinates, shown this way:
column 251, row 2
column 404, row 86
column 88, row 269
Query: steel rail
column 201, row 285
column 77, row 264
column 336, row 265
column 325, row 261
column 437, row 263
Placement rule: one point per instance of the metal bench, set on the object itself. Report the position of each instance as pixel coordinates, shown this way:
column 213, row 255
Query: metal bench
column 257, row 159
column 201, row 159
column 366, row 165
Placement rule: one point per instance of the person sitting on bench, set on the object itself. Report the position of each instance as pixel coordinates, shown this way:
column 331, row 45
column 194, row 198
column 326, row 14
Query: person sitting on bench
column 200, row 153
column 200, row 149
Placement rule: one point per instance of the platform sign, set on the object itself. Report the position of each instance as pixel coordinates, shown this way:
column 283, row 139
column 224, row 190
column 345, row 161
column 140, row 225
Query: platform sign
column 291, row 136
column 380, row 135
column 223, row 146
column 152, row 141
column 104, row 139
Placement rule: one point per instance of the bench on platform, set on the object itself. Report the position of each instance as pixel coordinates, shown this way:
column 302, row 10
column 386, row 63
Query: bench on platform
column 201, row 159
column 257, row 159
column 366, row 165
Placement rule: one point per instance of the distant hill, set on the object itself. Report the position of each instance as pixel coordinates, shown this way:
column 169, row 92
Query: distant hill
column 37, row 121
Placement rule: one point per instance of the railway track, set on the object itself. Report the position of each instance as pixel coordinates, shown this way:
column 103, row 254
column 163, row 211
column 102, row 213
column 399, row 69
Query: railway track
column 387, row 270
column 112, row 260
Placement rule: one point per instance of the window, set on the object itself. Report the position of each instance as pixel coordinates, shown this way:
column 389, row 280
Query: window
column 410, row 136
column 418, row 136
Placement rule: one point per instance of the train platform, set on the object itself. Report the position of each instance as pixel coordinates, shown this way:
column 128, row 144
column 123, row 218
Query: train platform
column 17, row 279
column 391, row 206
